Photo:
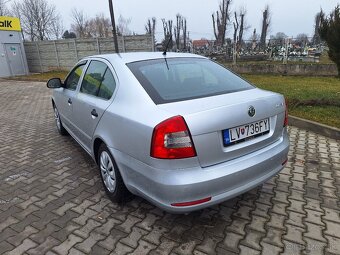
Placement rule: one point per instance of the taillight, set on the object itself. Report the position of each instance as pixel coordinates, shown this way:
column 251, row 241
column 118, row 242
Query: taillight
column 171, row 139
column 285, row 123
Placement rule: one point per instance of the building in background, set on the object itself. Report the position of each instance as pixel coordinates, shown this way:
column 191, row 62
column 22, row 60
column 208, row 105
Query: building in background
column 12, row 53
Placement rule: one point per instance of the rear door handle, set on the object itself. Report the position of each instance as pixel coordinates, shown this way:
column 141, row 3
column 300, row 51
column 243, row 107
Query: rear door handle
column 69, row 101
column 94, row 113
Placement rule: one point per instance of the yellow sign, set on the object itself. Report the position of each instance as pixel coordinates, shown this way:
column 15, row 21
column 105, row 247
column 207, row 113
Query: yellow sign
column 9, row 23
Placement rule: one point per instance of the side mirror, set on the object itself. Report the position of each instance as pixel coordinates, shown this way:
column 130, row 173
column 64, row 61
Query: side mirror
column 54, row 83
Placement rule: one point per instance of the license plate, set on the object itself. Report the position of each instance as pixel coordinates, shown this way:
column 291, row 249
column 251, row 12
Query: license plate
column 244, row 132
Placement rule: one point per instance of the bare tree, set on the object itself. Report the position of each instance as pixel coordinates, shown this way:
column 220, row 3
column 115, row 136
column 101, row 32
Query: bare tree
column 316, row 37
column 3, row 8
column 80, row 23
column 150, row 26
column 255, row 37
column 57, row 28
column 100, row 26
column 302, row 39
column 37, row 18
column 220, row 22
column 265, row 26
column 123, row 26
column 167, row 29
column 177, row 30
column 243, row 27
column 236, row 27
column 185, row 35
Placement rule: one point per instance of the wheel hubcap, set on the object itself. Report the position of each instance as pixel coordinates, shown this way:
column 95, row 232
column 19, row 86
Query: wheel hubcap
column 57, row 118
column 107, row 171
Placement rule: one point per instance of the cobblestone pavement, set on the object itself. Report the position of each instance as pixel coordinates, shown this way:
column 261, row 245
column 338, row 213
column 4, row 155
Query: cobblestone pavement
column 52, row 201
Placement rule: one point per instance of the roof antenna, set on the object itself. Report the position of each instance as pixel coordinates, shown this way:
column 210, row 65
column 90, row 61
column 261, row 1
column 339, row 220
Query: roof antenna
column 167, row 46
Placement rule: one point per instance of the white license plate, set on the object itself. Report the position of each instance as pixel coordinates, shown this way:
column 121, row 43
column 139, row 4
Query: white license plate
column 237, row 134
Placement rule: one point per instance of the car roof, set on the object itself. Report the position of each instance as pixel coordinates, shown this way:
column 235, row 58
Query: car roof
column 140, row 56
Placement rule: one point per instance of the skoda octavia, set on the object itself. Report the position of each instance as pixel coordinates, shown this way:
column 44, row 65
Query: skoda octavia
column 177, row 129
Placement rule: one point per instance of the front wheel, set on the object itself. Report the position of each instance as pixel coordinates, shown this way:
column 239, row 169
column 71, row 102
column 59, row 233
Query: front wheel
column 111, row 178
column 58, row 123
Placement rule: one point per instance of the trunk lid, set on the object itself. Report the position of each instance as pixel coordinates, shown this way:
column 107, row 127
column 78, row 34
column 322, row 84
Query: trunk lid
column 208, row 117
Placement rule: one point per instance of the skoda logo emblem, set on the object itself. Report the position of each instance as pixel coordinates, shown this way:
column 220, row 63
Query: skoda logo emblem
column 251, row 111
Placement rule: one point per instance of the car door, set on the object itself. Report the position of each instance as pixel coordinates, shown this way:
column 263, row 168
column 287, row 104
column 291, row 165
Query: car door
column 96, row 90
column 65, row 96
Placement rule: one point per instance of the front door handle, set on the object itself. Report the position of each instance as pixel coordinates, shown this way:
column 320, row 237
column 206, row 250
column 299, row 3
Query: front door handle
column 94, row 113
column 69, row 101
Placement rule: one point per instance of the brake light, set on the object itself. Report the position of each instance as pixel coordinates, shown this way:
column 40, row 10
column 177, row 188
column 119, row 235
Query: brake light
column 171, row 139
column 285, row 123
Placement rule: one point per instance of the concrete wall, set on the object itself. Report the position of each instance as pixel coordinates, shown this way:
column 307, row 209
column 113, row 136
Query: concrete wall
column 289, row 69
column 44, row 56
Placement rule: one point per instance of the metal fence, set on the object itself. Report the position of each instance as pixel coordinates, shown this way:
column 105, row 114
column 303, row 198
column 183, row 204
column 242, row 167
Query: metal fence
column 44, row 56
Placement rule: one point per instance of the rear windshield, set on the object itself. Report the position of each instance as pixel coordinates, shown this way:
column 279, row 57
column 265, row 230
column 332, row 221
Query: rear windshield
column 179, row 79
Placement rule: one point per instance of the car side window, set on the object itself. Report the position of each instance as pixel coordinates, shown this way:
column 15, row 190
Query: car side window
column 93, row 78
column 107, row 86
column 73, row 78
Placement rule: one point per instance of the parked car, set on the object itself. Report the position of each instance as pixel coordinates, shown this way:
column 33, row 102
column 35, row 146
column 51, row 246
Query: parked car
column 177, row 129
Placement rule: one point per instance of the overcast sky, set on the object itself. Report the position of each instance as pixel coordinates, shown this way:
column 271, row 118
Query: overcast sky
column 289, row 16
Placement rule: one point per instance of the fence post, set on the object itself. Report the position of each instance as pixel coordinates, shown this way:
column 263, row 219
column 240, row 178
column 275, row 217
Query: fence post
column 123, row 43
column 37, row 45
column 56, row 53
column 98, row 46
column 75, row 49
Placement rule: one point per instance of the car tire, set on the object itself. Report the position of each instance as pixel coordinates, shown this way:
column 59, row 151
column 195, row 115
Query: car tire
column 111, row 178
column 58, row 122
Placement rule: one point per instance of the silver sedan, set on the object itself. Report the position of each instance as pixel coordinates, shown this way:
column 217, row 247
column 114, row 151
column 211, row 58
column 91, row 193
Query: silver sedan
column 177, row 129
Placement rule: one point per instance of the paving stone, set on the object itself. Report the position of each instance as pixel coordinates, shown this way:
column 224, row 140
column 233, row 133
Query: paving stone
column 269, row 249
column 110, row 242
column 22, row 248
column 209, row 244
column 274, row 237
column 85, row 231
column 122, row 249
column 296, row 219
column 87, row 244
column 248, row 251
column 17, row 239
column 65, row 247
column 186, row 247
column 294, row 234
column 237, row 226
column 8, row 222
column 5, row 246
column 156, row 235
column 332, row 228
column 144, row 248
column 44, row 247
column 253, row 239
column 331, row 215
column 333, row 246
column 276, row 221
column 258, row 223
column 293, row 248
column 231, row 242
column 165, row 247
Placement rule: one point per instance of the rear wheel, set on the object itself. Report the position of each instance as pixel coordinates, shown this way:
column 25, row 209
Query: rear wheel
column 58, row 123
column 110, row 175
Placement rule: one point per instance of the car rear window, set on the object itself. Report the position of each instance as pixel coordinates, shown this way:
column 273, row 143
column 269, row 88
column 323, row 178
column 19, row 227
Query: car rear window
column 178, row 79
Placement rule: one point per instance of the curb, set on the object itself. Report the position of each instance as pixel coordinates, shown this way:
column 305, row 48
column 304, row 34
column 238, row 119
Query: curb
column 321, row 129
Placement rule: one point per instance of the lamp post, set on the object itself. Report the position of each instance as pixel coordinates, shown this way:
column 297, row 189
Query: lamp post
column 113, row 26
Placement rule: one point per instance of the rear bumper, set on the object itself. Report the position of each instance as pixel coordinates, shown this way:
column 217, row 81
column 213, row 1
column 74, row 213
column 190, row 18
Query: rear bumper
column 220, row 182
